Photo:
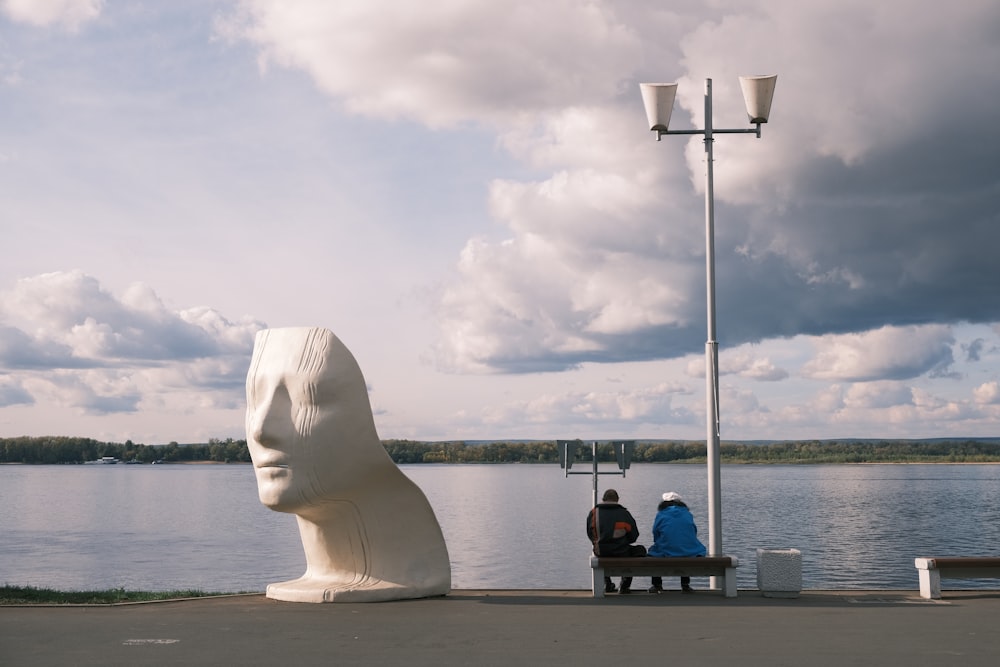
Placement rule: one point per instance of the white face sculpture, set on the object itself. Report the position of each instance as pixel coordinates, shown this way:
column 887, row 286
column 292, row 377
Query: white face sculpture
column 367, row 531
column 306, row 405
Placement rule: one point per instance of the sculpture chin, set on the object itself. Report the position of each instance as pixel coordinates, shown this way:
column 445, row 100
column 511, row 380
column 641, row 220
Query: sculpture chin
column 276, row 490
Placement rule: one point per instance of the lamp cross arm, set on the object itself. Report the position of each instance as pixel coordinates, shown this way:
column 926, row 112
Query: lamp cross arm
column 745, row 130
column 742, row 130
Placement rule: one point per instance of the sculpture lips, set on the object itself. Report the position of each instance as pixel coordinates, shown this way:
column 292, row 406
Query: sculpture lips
column 270, row 458
column 273, row 471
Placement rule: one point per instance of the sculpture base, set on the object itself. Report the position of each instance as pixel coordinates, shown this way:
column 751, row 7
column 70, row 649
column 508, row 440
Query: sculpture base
column 307, row 589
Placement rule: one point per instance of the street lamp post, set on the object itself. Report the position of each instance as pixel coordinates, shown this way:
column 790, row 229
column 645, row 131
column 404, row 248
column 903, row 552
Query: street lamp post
column 658, row 99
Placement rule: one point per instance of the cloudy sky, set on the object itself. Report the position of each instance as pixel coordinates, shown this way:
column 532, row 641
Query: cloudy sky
column 467, row 194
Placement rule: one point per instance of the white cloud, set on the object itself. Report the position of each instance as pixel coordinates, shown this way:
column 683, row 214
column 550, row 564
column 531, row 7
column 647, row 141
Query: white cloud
column 69, row 14
column 888, row 352
column 77, row 345
column 750, row 366
column 645, row 405
column 929, row 411
column 988, row 393
column 853, row 76
column 740, row 401
column 88, row 392
column 582, row 259
column 878, row 395
column 71, row 309
column 442, row 62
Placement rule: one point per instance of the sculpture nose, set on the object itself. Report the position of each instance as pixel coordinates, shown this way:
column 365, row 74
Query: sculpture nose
column 271, row 421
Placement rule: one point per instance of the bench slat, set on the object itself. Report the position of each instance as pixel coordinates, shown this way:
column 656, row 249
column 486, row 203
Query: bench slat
column 962, row 562
column 681, row 561
column 666, row 571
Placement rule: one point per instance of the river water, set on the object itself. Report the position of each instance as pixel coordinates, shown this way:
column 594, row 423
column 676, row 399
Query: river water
column 170, row 527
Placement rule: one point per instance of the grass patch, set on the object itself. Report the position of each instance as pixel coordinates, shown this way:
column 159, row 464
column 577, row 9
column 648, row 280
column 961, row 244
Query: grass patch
column 11, row 595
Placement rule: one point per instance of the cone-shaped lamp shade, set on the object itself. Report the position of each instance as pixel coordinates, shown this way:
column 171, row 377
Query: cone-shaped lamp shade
column 658, row 99
column 757, row 94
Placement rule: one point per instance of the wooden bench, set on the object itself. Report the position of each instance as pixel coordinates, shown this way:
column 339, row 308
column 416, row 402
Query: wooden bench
column 932, row 570
column 708, row 566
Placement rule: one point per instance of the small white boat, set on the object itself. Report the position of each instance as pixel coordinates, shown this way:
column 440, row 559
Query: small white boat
column 104, row 460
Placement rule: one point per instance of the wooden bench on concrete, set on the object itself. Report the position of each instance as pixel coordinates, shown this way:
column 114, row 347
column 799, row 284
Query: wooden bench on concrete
column 708, row 566
column 933, row 570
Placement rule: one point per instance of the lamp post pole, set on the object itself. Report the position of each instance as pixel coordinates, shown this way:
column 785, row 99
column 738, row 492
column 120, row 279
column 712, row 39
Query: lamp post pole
column 659, row 100
column 712, row 430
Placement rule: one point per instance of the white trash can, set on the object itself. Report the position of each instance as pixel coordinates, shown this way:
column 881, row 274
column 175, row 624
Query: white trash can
column 779, row 572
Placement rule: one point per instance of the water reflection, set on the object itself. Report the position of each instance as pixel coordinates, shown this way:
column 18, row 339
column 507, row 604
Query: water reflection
column 149, row 527
column 857, row 526
column 184, row 526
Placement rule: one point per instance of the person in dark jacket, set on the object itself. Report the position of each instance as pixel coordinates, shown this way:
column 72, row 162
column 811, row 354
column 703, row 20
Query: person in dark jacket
column 612, row 530
column 674, row 534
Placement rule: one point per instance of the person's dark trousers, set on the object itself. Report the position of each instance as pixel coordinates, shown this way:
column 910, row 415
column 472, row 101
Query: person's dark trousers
column 658, row 582
column 633, row 550
column 609, row 586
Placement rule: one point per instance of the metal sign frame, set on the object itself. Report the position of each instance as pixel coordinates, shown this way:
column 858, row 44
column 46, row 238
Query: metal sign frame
column 567, row 455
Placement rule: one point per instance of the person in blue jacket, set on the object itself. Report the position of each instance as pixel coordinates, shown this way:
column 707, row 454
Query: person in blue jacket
column 674, row 534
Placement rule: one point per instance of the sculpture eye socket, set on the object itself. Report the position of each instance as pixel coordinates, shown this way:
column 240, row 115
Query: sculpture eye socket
column 310, row 400
column 302, row 389
column 321, row 391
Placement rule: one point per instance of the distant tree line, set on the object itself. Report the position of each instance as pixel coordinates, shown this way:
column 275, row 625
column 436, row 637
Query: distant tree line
column 864, row 451
column 60, row 449
column 68, row 450
column 812, row 451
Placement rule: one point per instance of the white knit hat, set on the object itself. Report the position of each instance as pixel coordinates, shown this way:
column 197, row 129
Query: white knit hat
column 671, row 495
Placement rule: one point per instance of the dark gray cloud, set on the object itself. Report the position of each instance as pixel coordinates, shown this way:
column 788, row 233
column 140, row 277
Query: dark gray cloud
column 105, row 405
column 12, row 393
column 904, row 233
column 905, row 237
column 19, row 351
column 872, row 199
column 974, row 349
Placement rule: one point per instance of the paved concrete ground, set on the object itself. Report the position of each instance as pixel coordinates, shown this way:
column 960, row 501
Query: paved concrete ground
column 518, row 628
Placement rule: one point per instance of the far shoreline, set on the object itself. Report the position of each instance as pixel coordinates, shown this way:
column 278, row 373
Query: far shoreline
column 76, row 450
column 550, row 463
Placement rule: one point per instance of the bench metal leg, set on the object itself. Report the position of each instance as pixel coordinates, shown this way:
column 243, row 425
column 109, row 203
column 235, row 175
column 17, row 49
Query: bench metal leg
column 930, row 584
column 729, row 581
column 598, row 584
